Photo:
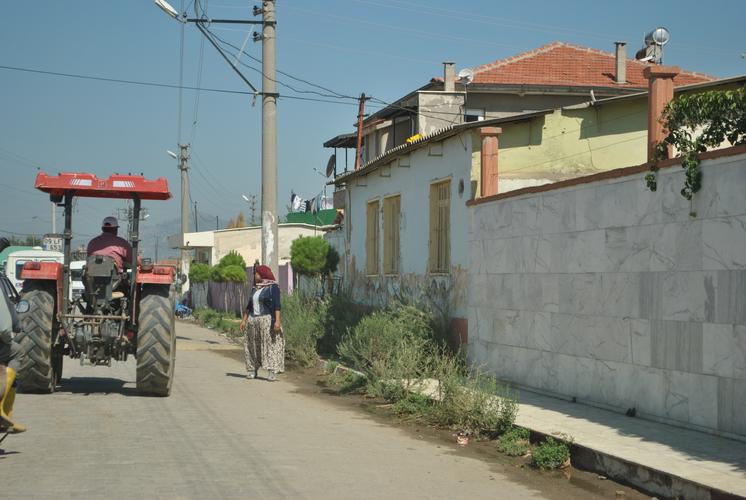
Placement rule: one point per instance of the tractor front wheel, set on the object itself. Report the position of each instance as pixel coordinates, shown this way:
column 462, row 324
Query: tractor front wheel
column 40, row 370
column 156, row 341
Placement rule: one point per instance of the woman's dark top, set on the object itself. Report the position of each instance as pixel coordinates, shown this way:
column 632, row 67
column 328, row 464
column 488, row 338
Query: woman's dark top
column 269, row 302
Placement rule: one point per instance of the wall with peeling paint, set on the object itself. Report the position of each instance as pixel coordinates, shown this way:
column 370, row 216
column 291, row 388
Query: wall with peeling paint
column 410, row 177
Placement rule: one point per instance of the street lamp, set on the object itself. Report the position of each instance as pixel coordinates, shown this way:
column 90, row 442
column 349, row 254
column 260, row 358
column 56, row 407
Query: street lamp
column 166, row 7
column 269, row 113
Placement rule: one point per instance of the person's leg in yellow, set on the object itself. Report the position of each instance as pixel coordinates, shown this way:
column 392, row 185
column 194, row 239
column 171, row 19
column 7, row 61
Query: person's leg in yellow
column 6, row 405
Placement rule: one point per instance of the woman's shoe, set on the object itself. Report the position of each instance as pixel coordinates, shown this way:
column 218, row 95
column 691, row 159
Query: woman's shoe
column 251, row 375
column 271, row 375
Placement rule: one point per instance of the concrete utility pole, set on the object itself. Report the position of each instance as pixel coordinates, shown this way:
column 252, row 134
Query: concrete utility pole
column 252, row 207
column 269, row 139
column 184, row 168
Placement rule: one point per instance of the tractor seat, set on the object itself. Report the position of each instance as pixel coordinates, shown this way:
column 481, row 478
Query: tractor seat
column 101, row 279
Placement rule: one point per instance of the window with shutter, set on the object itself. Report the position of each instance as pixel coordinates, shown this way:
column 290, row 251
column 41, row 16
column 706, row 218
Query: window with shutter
column 391, row 230
column 440, row 227
column 371, row 240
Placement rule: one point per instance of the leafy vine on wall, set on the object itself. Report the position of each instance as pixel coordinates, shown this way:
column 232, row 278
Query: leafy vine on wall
column 697, row 123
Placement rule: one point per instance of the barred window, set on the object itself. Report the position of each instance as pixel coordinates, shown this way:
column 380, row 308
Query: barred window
column 371, row 238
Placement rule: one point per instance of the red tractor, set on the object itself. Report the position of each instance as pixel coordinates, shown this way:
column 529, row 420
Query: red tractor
column 118, row 314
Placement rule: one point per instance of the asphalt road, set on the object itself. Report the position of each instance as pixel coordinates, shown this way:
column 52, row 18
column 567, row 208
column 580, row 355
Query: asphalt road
column 220, row 435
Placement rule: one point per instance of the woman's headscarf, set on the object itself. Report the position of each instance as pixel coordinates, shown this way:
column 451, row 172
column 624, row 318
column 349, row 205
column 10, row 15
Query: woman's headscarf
column 265, row 273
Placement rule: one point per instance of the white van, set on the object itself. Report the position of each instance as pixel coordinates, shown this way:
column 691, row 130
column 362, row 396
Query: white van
column 16, row 260
column 76, row 278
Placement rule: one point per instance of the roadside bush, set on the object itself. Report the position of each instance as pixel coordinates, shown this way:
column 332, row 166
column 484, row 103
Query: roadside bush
column 303, row 324
column 515, row 442
column 472, row 402
column 413, row 404
column 550, row 454
column 199, row 273
column 342, row 314
column 389, row 346
column 308, row 255
column 232, row 258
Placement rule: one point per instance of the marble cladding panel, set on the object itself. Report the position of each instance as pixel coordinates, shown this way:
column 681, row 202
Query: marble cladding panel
column 676, row 345
column 677, row 246
column 683, row 296
column 578, row 252
column 596, row 337
column 640, row 342
column 557, row 214
column 724, row 350
column 726, row 293
column 579, row 293
column 724, row 241
column 722, row 194
column 731, row 405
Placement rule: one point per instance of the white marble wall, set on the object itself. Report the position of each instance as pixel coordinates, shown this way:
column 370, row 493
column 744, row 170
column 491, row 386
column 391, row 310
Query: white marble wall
column 613, row 294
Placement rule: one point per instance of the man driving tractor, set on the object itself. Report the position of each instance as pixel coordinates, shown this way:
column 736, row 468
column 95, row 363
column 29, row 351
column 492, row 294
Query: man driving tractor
column 111, row 245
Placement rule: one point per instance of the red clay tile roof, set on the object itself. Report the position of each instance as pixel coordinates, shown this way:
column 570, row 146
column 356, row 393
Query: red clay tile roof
column 564, row 64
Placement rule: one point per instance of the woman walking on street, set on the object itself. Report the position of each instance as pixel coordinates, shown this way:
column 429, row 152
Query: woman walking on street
column 265, row 344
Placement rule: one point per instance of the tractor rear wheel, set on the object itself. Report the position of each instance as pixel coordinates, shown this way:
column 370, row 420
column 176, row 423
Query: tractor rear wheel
column 156, row 341
column 37, row 373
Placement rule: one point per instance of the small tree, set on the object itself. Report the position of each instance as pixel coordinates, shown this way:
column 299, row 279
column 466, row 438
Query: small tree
column 199, row 273
column 314, row 257
column 230, row 269
column 232, row 258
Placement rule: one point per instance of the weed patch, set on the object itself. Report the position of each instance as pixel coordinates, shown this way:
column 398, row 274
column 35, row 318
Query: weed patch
column 550, row 454
column 515, row 442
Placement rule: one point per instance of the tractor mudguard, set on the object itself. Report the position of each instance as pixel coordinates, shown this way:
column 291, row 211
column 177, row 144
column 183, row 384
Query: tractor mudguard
column 44, row 271
column 156, row 275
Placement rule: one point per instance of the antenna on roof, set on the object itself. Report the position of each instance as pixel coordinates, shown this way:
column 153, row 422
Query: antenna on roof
column 653, row 46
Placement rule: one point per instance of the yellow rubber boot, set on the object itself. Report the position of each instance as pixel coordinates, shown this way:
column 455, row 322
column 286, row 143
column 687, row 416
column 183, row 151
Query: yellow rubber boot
column 6, row 405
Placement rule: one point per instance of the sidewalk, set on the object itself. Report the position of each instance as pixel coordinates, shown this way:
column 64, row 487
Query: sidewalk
column 659, row 458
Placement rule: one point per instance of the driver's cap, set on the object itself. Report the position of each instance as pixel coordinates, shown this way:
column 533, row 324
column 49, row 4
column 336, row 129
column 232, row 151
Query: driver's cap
column 110, row 222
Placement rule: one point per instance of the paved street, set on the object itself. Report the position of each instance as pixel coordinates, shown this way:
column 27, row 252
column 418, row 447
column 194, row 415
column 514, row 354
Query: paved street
column 222, row 436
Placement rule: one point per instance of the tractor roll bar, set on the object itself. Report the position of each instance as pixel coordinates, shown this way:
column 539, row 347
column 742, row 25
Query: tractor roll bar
column 135, row 240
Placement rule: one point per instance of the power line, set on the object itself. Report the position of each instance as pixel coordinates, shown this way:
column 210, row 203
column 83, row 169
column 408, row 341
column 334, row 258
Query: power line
column 123, row 81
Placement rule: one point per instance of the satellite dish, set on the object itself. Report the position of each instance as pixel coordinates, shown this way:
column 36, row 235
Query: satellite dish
column 659, row 36
column 331, row 165
column 466, row 75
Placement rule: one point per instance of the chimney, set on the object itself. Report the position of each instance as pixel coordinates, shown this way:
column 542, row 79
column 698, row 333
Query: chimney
column 660, row 93
column 449, row 76
column 621, row 62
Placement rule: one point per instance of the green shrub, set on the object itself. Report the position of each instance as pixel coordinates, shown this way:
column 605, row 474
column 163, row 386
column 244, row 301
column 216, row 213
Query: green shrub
column 199, row 273
column 413, row 404
column 232, row 258
column 331, row 262
column 348, row 381
column 550, row 454
column 303, row 324
column 474, row 401
column 515, row 442
column 342, row 314
column 308, row 255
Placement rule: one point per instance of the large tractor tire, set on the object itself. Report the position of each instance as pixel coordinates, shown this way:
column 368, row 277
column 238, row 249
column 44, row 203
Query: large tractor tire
column 156, row 342
column 40, row 371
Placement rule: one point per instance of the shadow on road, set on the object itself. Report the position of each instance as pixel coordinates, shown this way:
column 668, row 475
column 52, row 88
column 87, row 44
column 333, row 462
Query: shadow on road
column 96, row 385
column 4, row 454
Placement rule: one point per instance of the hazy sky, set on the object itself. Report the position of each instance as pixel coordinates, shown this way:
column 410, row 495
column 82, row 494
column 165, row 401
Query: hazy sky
column 384, row 48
